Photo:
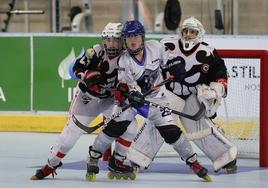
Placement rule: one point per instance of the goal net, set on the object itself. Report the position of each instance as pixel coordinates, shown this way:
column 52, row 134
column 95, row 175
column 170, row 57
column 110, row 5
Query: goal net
column 243, row 114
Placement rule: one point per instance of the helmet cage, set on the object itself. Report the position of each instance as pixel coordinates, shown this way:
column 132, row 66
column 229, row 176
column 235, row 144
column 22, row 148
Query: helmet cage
column 113, row 51
column 112, row 30
column 194, row 24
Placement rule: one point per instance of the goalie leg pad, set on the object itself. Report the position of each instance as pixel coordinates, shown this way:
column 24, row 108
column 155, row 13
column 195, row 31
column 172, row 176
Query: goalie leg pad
column 145, row 145
column 183, row 147
column 215, row 145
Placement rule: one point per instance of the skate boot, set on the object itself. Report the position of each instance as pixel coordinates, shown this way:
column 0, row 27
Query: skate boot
column 197, row 168
column 45, row 171
column 118, row 169
column 135, row 167
column 230, row 168
column 92, row 164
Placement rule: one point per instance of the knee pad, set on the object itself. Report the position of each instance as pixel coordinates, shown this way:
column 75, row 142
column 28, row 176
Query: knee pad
column 171, row 133
column 116, row 129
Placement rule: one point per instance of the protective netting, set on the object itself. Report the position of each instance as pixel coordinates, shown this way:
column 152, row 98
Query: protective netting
column 239, row 113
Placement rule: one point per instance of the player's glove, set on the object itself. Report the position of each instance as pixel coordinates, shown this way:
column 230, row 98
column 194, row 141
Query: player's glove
column 136, row 99
column 211, row 96
column 91, row 81
column 121, row 90
column 177, row 69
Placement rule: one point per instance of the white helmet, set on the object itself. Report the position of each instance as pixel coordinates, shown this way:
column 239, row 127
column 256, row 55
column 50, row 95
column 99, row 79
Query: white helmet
column 113, row 30
column 192, row 23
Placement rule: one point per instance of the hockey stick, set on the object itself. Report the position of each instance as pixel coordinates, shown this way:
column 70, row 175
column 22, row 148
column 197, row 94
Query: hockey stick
column 118, row 113
column 195, row 117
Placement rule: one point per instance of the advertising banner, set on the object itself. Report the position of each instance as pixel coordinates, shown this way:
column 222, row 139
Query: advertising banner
column 53, row 86
column 35, row 76
column 15, row 67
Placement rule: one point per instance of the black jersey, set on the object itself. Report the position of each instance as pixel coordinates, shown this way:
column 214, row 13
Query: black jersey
column 202, row 65
column 96, row 59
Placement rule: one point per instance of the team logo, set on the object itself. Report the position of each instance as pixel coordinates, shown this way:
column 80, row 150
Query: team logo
column 85, row 99
column 205, row 68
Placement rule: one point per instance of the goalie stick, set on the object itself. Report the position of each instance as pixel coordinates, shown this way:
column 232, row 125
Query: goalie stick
column 118, row 113
column 198, row 115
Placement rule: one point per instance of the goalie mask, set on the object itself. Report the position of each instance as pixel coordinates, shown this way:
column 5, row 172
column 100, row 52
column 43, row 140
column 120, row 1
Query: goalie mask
column 112, row 38
column 191, row 33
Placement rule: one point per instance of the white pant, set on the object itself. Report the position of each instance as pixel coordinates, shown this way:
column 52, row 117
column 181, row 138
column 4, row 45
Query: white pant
column 85, row 108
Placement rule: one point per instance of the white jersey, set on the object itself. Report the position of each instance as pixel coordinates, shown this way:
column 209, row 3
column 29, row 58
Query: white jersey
column 202, row 65
column 143, row 75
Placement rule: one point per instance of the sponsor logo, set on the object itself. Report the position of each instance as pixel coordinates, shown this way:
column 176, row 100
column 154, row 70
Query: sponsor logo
column 65, row 66
column 2, row 95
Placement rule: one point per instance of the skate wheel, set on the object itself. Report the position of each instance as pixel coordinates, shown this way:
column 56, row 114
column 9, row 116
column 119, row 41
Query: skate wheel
column 91, row 177
column 207, row 178
column 118, row 177
column 110, row 176
column 132, row 176
column 125, row 177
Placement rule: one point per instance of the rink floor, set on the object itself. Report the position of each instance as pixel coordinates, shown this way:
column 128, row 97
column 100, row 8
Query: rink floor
column 22, row 153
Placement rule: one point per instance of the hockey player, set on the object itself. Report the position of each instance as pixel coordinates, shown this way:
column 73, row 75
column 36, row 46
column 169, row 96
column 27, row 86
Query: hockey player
column 96, row 70
column 140, row 71
column 200, row 76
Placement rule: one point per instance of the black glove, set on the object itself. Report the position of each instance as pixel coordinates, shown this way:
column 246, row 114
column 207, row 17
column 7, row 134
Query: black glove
column 136, row 99
column 177, row 70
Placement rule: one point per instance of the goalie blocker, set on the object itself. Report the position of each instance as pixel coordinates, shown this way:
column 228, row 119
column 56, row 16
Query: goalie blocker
column 204, row 133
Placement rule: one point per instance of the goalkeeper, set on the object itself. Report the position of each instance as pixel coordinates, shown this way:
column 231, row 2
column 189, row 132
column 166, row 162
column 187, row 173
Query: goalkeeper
column 200, row 76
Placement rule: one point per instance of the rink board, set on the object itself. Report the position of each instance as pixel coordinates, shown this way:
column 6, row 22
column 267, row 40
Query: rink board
column 55, row 123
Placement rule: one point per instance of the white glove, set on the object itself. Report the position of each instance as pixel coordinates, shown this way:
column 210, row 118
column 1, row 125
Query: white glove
column 218, row 88
column 210, row 96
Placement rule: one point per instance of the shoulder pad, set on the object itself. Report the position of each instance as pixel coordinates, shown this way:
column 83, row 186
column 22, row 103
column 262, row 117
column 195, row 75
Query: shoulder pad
column 152, row 42
column 204, row 43
column 90, row 53
column 207, row 46
column 98, row 47
column 169, row 40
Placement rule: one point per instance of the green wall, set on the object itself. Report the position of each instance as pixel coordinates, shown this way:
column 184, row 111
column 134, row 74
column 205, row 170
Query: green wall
column 15, row 73
column 51, row 92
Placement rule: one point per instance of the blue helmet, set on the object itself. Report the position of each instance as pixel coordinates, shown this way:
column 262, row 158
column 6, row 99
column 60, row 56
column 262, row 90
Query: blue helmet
column 133, row 27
